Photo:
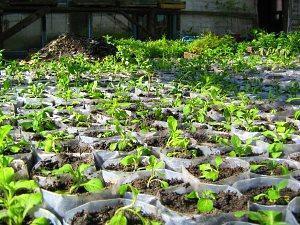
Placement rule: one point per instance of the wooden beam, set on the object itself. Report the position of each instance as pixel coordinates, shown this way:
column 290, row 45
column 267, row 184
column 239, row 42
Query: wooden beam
column 220, row 14
column 131, row 20
column 23, row 23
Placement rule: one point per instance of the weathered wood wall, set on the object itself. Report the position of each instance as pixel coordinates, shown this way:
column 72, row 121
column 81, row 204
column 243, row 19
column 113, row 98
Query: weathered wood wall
column 295, row 15
column 222, row 16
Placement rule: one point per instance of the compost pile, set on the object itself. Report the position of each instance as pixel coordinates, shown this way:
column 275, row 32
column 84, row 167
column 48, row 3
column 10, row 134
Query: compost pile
column 68, row 45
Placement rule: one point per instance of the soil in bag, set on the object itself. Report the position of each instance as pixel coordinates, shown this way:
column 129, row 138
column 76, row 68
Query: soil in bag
column 225, row 202
column 103, row 216
column 286, row 194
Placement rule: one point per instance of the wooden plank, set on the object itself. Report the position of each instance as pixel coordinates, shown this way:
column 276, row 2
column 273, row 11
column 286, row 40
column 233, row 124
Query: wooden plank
column 220, row 14
column 23, row 23
column 32, row 2
column 175, row 6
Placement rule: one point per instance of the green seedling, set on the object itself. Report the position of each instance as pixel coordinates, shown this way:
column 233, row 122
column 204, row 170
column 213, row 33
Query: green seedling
column 271, row 166
column 274, row 193
column 5, row 161
column 126, row 140
column 119, row 217
column 79, row 178
column 211, row 172
column 276, row 149
column 263, row 217
column 153, row 166
column 239, row 148
column 36, row 90
column 135, row 158
column 7, row 144
column 205, row 202
column 176, row 138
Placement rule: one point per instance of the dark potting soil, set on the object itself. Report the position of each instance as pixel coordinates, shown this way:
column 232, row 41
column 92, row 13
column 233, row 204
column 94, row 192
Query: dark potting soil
column 264, row 170
column 154, row 187
column 119, row 167
column 297, row 178
column 62, row 159
column 296, row 158
column 224, row 173
column 103, row 216
column 185, row 154
column 158, row 141
column 286, row 193
column 77, row 148
column 225, row 202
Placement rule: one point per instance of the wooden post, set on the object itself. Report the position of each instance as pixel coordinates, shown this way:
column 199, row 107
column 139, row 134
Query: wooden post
column 1, row 28
column 44, row 30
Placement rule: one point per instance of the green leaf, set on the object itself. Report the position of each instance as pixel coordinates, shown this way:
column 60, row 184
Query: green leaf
column 128, row 160
column 40, row 221
column 113, row 146
column 205, row 205
column 259, row 196
column 172, row 123
column 25, row 184
column 205, row 166
column 218, row 161
column 83, row 167
column 240, row 214
column 255, row 167
column 273, row 195
column 192, row 195
column 67, row 168
column 236, row 141
column 6, row 175
column 118, row 219
column 164, row 184
column 123, row 189
column 282, row 184
column 93, row 185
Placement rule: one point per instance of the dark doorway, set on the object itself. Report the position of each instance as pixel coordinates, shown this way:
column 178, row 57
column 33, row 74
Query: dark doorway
column 272, row 15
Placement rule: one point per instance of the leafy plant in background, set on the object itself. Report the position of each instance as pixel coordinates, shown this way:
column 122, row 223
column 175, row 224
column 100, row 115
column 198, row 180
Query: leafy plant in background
column 273, row 194
column 263, row 217
column 176, row 138
column 126, row 140
column 79, row 178
column 205, row 203
column 36, row 90
column 7, row 144
column 211, row 172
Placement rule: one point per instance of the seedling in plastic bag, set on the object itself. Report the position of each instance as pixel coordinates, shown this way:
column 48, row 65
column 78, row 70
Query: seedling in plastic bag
column 271, row 165
column 205, row 202
column 211, row 172
column 135, row 158
column 274, row 193
column 126, row 140
column 264, row 217
column 176, row 138
column 79, row 179
column 153, row 167
column 119, row 218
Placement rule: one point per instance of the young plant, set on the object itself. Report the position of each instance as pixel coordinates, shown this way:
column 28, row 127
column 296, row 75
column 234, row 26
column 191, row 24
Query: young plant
column 36, row 90
column 79, row 178
column 274, row 193
column 211, row 172
column 135, row 158
column 39, row 121
column 264, row 217
column 5, row 161
column 126, row 140
column 119, row 217
column 276, row 149
column 153, row 166
column 92, row 90
column 176, row 138
column 7, row 144
column 205, row 202
column 271, row 166
column 282, row 133
column 240, row 149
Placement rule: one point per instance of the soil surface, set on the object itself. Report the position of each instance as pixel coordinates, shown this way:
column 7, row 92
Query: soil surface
column 154, row 187
column 224, row 173
column 63, row 159
column 119, row 167
column 264, row 170
column 67, row 45
column 159, row 140
column 185, row 154
column 103, row 216
column 76, row 147
column 286, row 193
column 296, row 158
column 225, row 202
